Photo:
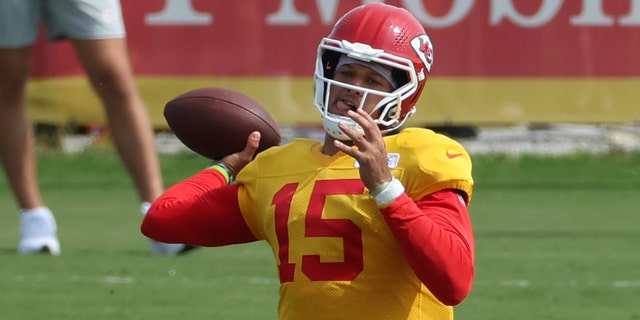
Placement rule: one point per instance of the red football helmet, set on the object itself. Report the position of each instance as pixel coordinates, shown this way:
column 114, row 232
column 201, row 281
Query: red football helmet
column 382, row 34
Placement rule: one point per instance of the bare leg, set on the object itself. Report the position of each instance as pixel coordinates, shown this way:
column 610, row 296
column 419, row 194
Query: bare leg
column 17, row 142
column 107, row 65
column 17, row 155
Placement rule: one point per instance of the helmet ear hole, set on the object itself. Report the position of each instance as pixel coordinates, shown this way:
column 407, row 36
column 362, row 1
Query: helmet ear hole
column 392, row 114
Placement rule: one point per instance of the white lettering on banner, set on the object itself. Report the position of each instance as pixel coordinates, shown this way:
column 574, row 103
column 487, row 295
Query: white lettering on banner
column 592, row 14
column 502, row 9
column 459, row 10
column 288, row 14
column 178, row 12
column 327, row 10
column 633, row 18
column 181, row 12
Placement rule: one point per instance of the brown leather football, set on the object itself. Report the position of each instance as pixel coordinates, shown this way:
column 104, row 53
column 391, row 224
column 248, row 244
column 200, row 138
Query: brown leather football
column 215, row 122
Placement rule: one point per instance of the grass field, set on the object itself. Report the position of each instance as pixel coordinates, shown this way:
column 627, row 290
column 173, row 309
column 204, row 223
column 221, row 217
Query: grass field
column 555, row 239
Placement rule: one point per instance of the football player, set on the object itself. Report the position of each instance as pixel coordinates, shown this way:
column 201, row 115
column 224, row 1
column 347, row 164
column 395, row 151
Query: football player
column 371, row 223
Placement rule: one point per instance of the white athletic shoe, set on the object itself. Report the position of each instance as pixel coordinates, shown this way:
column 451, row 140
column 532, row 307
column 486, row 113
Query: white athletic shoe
column 162, row 248
column 38, row 232
column 169, row 249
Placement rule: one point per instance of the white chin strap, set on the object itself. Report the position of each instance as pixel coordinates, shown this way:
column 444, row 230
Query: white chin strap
column 330, row 124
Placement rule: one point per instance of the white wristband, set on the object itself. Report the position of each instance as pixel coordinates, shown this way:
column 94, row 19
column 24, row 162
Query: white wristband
column 388, row 192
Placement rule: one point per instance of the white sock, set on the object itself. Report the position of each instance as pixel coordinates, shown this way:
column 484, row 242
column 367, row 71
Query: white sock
column 144, row 208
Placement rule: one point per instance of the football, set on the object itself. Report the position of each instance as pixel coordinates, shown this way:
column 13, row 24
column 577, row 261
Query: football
column 215, row 122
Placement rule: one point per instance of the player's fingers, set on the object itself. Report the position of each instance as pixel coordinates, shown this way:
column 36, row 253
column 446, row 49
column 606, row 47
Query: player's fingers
column 363, row 119
column 367, row 131
column 349, row 130
column 236, row 161
column 370, row 128
column 345, row 148
column 253, row 141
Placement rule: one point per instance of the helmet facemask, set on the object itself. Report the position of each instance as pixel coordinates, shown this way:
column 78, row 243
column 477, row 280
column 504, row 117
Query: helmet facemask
column 390, row 115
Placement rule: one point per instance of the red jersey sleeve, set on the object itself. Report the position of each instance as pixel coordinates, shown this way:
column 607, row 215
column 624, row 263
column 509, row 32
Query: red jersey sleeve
column 201, row 211
column 436, row 237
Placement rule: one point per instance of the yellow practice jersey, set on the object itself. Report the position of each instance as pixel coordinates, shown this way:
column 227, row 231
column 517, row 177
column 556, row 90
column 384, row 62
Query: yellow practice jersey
column 337, row 258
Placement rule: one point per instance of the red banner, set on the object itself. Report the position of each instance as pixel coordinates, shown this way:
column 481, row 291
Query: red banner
column 472, row 38
column 496, row 61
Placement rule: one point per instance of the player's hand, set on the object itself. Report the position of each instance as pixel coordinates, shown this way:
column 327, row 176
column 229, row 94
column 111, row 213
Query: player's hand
column 236, row 161
column 369, row 149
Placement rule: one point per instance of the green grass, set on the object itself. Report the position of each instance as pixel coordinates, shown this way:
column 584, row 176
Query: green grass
column 555, row 239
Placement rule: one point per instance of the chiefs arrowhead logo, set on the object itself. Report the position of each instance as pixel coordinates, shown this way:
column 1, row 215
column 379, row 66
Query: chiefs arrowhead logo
column 424, row 49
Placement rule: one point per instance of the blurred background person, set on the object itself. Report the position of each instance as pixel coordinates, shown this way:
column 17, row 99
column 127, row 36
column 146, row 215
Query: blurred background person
column 97, row 32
